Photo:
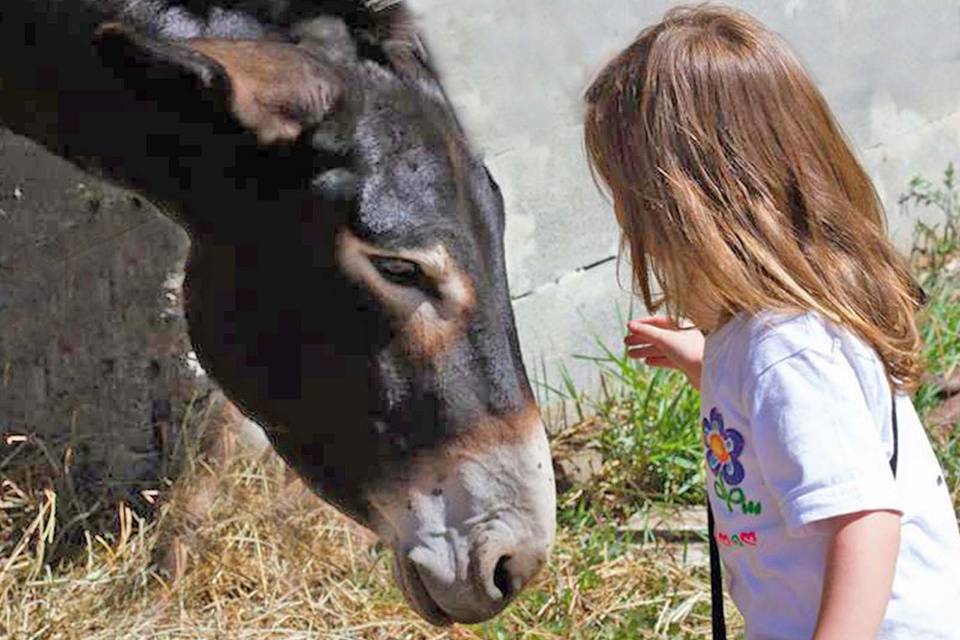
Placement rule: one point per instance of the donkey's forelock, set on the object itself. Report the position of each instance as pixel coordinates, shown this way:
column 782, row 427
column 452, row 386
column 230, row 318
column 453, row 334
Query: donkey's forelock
column 378, row 23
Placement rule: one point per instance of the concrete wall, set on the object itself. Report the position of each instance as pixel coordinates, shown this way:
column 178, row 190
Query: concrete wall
column 516, row 69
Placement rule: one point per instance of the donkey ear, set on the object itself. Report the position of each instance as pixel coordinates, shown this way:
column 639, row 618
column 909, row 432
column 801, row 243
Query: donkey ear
column 274, row 89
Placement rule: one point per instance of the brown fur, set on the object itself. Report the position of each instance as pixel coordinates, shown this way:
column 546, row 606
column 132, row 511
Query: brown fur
column 277, row 88
column 428, row 327
column 516, row 428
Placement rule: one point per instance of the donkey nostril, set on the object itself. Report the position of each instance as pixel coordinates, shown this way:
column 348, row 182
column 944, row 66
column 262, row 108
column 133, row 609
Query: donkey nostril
column 502, row 579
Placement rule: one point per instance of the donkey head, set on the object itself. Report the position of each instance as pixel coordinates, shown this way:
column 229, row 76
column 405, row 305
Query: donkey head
column 347, row 289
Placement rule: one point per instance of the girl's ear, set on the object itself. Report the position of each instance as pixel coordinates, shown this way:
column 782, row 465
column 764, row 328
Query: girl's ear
column 274, row 89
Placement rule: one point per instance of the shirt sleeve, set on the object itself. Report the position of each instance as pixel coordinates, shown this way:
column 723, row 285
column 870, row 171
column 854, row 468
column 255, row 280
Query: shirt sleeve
column 819, row 448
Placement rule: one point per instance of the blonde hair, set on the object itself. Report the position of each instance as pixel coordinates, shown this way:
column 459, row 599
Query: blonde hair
column 736, row 190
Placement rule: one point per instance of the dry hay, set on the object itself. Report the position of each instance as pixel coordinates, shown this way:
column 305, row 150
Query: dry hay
column 273, row 561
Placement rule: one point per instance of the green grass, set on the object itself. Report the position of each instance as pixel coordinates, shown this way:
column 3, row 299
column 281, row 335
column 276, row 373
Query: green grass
column 649, row 438
column 935, row 245
column 942, row 337
column 936, row 260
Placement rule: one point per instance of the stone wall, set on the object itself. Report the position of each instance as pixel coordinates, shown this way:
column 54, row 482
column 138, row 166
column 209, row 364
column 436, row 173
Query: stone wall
column 94, row 360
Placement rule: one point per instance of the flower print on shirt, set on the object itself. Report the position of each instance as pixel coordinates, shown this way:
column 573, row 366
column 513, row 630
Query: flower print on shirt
column 724, row 447
column 723, row 450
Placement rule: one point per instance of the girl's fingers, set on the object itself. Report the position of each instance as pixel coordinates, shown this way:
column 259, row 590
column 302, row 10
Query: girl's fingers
column 646, row 352
column 632, row 340
column 660, row 361
column 657, row 322
column 655, row 330
column 645, row 334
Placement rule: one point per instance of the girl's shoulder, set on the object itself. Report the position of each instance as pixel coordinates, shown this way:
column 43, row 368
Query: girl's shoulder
column 761, row 340
column 785, row 353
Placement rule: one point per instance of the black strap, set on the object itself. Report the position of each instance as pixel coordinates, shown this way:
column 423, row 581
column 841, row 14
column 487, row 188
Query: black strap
column 719, row 622
column 896, row 436
column 717, row 618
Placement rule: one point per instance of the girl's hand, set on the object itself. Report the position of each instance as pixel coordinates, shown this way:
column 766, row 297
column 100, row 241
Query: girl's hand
column 660, row 343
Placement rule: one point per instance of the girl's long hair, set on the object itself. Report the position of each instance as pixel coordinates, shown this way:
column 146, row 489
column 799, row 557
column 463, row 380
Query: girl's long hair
column 736, row 190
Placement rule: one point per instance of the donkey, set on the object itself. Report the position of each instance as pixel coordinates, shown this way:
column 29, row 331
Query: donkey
column 346, row 284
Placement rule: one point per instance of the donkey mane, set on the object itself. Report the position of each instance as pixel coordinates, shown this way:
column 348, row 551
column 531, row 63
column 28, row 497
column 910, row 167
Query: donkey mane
column 376, row 25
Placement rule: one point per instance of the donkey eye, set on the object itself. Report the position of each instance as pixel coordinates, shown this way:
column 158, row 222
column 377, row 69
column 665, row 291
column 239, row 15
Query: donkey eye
column 398, row 271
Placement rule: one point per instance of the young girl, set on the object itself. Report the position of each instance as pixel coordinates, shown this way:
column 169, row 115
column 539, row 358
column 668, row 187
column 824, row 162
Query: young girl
column 738, row 196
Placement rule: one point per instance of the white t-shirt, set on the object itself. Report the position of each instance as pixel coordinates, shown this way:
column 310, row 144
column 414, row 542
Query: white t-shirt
column 797, row 427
